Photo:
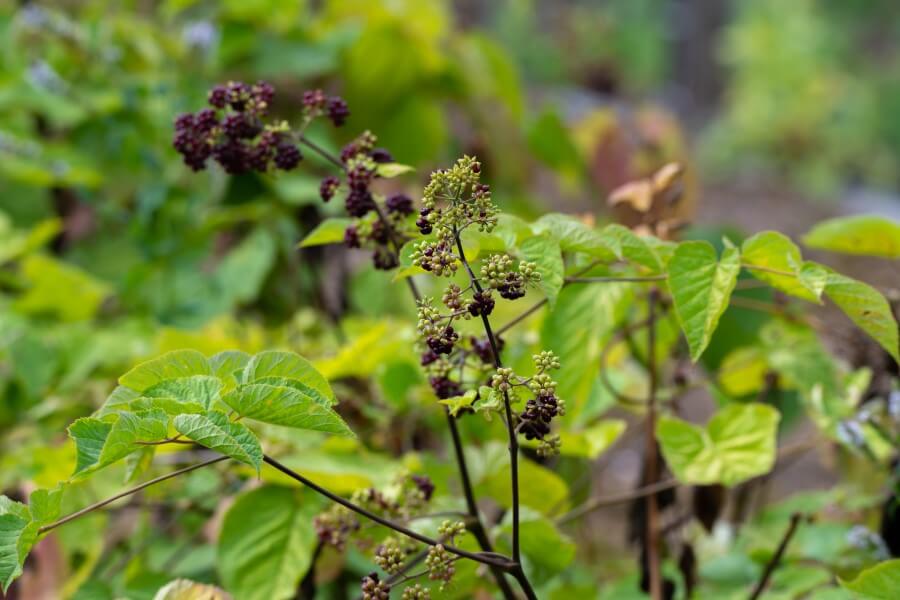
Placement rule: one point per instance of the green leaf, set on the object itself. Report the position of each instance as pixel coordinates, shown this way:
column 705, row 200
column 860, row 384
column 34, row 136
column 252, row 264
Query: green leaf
column 738, row 443
column 867, row 308
column 627, row 245
column 197, row 389
column 881, row 581
column 775, row 251
column 287, row 406
column 544, row 252
column 576, row 329
column 229, row 366
column 216, row 432
column 100, row 443
column 868, row 235
column 45, row 505
column 701, row 287
column 243, row 271
column 273, row 366
column 539, row 487
column 457, row 403
column 16, row 539
column 389, row 170
column 541, row 541
column 90, row 435
column 329, row 231
column 172, row 365
column 266, row 543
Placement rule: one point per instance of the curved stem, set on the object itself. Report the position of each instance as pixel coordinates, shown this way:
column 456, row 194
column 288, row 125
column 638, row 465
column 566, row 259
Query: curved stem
column 481, row 557
column 128, row 492
column 613, row 499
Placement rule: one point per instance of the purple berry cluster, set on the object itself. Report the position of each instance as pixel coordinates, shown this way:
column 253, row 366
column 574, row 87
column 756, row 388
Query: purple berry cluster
column 234, row 134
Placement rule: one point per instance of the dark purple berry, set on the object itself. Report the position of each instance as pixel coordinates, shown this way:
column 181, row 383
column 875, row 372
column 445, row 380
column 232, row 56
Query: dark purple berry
column 351, row 237
column 328, row 187
column 218, row 97
column 428, row 357
column 338, row 111
column 400, row 204
column 359, row 177
column 359, row 202
column 239, row 126
column 287, row 156
column 380, row 155
column 482, row 304
column 425, row 485
column 423, row 223
column 263, row 94
column 445, row 388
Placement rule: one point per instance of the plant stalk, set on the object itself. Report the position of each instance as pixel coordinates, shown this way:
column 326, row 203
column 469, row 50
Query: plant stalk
column 652, row 526
column 776, row 558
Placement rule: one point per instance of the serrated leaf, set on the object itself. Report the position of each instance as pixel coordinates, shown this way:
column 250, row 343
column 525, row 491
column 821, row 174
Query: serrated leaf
column 271, row 364
column 266, row 543
column 738, row 443
column 90, row 435
column 813, row 277
column 225, row 365
column 287, row 406
column 775, row 251
column 574, row 235
column 119, row 399
column 544, row 251
column 14, row 546
column 388, row 170
column 627, row 245
column 867, row 308
column 197, row 389
column 172, row 365
column 216, row 432
column 329, row 231
column 881, row 581
column 701, row 287
column 868, row 235
column 100, row 443
column 44, row 505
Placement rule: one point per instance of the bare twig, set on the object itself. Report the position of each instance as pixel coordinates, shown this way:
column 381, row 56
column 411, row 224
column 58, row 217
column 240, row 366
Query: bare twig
column 760, row 587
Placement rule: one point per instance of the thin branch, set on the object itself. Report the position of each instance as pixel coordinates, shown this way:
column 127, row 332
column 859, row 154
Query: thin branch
column 128, row 492
column 321, row 151
column 475, row 527
column 486, row 558
column 650, row 449
column 760, row 587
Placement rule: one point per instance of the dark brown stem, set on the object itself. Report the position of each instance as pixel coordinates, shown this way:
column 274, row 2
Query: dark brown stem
column 128, row 492
column 321, row 151
column 776, row 558
column 652, row 541
column 486, row 558
column 475, row 527
column 510, row 425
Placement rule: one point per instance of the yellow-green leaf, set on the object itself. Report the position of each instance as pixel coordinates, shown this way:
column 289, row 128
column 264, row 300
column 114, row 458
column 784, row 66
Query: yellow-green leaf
column 867, row 308
column 329, row 231
column 738, row 443
column 868, row 235
column 778, row 260
column 216, row 432
column 881, row 581
column 701, row 287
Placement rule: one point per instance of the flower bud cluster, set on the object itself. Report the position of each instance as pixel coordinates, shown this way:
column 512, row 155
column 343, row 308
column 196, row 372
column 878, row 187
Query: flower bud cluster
column 391, row 554
column 510, row 283
column 450, row 530
column 440, row 566
column 373, row 588
column 405, row 497
column 455, row 198
column 539, row 411
column 416, row 592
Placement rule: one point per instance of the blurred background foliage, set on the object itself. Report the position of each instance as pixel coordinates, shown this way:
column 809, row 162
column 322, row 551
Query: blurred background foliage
column 112, row 251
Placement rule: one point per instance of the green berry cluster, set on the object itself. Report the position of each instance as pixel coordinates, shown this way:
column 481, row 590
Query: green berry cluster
column 416, row 592
column 440, row 566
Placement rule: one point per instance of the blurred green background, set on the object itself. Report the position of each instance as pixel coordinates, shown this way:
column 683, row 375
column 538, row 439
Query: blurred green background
column 111, row 250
